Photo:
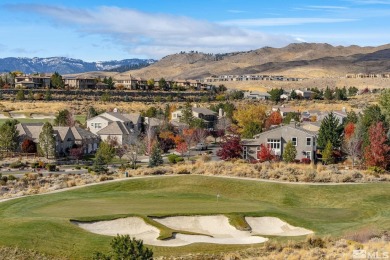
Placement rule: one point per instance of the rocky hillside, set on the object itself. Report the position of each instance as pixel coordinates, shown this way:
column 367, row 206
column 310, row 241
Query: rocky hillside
column 298, row 59
column 65, row 65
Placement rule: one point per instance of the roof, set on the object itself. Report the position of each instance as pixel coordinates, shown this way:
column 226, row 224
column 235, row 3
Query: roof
column 80, row 133
column 153, row 122
column 291, row 126
column 32, row 130
column 257, row 93
column 114, row 128
column 133, row 117
column 62, row 131
column 204, row 111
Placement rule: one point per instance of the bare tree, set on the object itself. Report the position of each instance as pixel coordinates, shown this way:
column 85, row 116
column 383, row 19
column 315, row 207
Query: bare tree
column 133, row 150
column 353, row 145
column 150, row 136
column 223, row 123
column 200, row 135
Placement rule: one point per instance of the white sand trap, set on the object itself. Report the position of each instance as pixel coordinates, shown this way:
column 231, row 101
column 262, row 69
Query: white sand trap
column 274, row 227
column 42, row 116
column 17, row 115
column 216, row 226
column 136, row 227
column 2, row 116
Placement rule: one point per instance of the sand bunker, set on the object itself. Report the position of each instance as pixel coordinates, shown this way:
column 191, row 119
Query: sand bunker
column 213, row 230
column 274, row 227
column 136, row 227
column 42, row 116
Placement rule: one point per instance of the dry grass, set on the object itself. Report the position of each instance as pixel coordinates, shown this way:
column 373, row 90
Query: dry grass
column 22, row 254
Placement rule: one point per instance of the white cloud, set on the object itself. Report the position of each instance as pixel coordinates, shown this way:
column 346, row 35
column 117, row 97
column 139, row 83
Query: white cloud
column 282, row 21
column 154, row 34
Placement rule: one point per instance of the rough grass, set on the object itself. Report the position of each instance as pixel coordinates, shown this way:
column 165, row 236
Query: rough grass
column 42, row 222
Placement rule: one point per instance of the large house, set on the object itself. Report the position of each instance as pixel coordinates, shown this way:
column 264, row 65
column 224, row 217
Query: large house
column 304, row 141
column 208, row 116
column 122, row 127
column 129, row 82
column 65, row 137
column 256, row 95
column 80, row 82
column 32, row 81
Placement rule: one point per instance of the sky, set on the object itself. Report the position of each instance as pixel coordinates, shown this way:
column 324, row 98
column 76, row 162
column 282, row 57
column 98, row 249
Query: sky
column 114, row 30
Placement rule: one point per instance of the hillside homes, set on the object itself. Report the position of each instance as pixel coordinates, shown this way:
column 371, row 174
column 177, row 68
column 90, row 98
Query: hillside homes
column 123, row 127
column 208, row 116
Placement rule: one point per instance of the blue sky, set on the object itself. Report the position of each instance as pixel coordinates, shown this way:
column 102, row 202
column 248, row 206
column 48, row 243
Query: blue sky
column 108, row 30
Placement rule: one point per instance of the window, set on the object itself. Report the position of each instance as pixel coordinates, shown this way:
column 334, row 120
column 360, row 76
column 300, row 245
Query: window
column 308, row 155
column 245, row 152
column 98, row 125
column 308, row 141
column 273, row 143
column 294, row 141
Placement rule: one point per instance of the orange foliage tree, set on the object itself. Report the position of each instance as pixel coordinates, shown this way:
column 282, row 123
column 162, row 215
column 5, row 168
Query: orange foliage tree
column 265, row 153
column 275, row 118
column 377, row 152
column 349, row 129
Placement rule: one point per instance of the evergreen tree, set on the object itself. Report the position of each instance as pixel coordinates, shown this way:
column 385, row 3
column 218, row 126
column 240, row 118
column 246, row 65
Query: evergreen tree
column 187, row 116
column 92, row 112
column 30, row 95
column 9, row 135
column 47, row 141
column 20, row 95
column 156, row 157
column 56, row 81
column 99, row 164
column 290, row 152
column 105, row 152
column 62, row 118
column 371, row 115
column 351, row 117
column 330, row 130
column 167, row 112
column 275, row 94
column 293, row 94
column 328, row 95
column 48, row 95
column 327, row 153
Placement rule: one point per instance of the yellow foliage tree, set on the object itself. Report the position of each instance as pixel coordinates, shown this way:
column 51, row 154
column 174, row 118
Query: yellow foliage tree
column 248, row 116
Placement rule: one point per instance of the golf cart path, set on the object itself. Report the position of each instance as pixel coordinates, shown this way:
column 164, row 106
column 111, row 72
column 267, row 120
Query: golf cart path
column 167, row 176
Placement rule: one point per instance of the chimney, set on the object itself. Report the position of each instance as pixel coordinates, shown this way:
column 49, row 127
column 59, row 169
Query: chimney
column 220, row 112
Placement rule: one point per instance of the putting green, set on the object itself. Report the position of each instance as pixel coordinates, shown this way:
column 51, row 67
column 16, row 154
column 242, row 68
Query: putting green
column 42, row 222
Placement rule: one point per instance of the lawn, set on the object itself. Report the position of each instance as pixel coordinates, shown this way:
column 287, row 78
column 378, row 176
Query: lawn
column 80, row 118
column 42, row 222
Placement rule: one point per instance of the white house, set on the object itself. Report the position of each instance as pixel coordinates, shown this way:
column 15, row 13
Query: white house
column 256, row 95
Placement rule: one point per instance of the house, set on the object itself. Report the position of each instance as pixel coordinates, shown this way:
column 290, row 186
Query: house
column 80, row 83
column 153, row 123
column 65, row 137
column 32, row 81
column 130, row 82
column 124, row 127
column 277, row 138
column 306, row 94
column 283, row 110
column 208, row 116
column 341, row 115
column 256, row 95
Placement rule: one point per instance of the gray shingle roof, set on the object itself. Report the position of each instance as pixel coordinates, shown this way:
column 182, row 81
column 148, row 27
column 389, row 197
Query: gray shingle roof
column 81, row 134
column 203, row 111
column 114, row 128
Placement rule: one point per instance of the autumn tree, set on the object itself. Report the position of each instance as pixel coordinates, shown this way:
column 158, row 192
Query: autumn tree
column 64, row 118
column 265, row 153
column 275, row 118
column 182, row 148
column 28, row 146
column 352, row 143
column 384, row 103
column 371, row 115
column 250, row 119
column 188, row 136
column 327, row 153
column 349, row 129
column 47, row 141
column 290, row 152
column 231, row 148
column 76, row 153
column 377, row 152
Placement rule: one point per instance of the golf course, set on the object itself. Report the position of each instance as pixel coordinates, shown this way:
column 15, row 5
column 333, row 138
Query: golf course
column 46, row 222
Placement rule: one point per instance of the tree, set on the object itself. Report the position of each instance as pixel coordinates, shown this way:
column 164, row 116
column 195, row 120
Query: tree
column 150, row 83
column 349, row 130
column 377, row 152
column 155, row 158
column 162, row 84
column 291, row 116
column 250, row 119
column 231, row 148
column 265, row 154
column 126, row 248
column 109, row 81
column 76, row 152
column 48, row 95
column 106, row 151
column 371, row 115
column 92, row 112
column 328, row 95
column 186, row 112
column 330, row 130
column 275, row 94
column 30, row 95
column 64, row 118
column 187, row 135
column 57, row 81
column 47, row 141
column 28, row 146
column 182, row 148
column 352, row 144
column 20, row 95
column 132, row 151
column 293, row 95
column 9, row 135
column 200, row 135
column 351, row 117
column 384, row 103
column 275, row 118
column 290, row 152
column 327, row 153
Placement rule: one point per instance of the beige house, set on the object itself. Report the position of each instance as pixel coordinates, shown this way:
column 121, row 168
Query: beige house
column 80, row 83
column 32, row 81
column 209, row 117
column 123, row 127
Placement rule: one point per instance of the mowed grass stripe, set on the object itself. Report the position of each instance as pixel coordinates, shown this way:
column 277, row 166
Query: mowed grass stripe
column 331, row 210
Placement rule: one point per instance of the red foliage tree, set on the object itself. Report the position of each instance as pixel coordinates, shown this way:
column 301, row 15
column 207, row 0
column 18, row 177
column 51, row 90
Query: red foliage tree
column 182, row 148
column 230, row 148
column 377, row 152
column 28, row 146
column 265, row 153
column 349, row 130
column 77, row 153
column 275, row 118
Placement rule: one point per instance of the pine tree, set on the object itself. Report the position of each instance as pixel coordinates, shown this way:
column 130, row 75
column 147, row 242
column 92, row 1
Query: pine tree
column 328, row 95
column 290, row 152
column 20, row 95
column 327, row 154
column 330, row 130
column 187, row 116
column 47, row 141
column 156, row 157
column 9, row 135
column 99, row 165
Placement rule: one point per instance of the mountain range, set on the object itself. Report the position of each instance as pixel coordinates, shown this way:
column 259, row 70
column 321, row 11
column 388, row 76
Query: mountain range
column 65, row 65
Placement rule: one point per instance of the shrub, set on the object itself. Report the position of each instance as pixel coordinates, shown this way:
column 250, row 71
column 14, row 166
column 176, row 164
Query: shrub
column 172, row 158
column 78, row 167
column 179, row 159
column 50, row 167
column 305, row 160
column 315, row 242
column 16, row 164
column 183, row 171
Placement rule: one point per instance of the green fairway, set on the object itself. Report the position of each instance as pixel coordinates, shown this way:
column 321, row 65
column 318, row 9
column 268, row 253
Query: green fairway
column 42, row 222
column 80, row 118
